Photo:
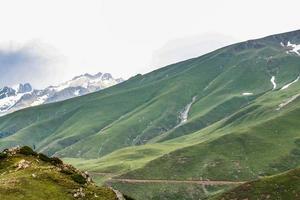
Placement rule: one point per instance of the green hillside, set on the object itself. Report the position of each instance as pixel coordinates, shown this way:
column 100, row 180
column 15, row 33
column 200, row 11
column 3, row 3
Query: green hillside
column 260, row 141
column 284, row 186
column 28, row 175
column 146, row 108
column 228, row 115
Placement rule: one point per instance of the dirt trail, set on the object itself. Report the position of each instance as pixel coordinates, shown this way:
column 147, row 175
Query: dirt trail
column 199, row 182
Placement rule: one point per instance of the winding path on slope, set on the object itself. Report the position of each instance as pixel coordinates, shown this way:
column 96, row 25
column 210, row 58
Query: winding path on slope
column 199, row 182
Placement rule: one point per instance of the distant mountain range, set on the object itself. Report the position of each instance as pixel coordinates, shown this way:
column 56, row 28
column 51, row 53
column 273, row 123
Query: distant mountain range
column 24, row 95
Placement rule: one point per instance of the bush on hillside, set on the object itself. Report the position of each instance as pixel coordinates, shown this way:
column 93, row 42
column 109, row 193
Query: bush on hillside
column 26, row 150
column 56, row 161
column 78, row 178
column 297, row 142
column 3, row 155
column 127, row 197
column 67, row 171
column 44, row 157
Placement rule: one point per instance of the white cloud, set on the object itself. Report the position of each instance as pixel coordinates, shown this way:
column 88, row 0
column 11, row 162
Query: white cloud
column 189, row 47
column 121, row 36
column 32, row 62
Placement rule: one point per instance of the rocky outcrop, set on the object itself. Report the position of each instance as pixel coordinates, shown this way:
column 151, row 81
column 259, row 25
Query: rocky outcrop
column 23, row 164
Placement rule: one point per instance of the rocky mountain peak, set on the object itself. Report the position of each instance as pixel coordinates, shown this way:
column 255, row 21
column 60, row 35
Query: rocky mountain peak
column 23, row 95
column 106, row 76
column 23, row 88
column 6, row 92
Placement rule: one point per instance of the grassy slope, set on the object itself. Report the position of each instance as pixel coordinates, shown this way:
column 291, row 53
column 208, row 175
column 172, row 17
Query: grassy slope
column 169, row 191
column 284, row 186
column 240, row 135
column 48, row 182
column 256, row 140
column 248, row 150
column 264, row 141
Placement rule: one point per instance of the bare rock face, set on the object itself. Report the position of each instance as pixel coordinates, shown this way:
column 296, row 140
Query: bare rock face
column 79, row 193
column 23, row 88
column 12, row 151
column 118, row 194
column 23, row 164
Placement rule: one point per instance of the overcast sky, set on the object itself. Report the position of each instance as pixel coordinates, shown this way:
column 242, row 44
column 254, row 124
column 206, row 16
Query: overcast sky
column 45, row 42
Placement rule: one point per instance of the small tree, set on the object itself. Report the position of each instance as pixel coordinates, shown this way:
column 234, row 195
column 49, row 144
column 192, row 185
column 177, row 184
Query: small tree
column 26, row 150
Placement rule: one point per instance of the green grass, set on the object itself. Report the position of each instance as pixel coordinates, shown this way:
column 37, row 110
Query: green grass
column 124, row 160
column 258, row 144
column 42, row 180
column 284, row 186
column 168, row 191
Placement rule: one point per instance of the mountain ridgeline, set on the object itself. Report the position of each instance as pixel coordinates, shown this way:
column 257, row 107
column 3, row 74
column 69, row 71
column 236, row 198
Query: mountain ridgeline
column 22, row 96
column 231, row 114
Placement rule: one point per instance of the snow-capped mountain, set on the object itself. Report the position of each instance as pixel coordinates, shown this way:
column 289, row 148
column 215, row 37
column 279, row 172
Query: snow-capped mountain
column 23, row 95
column 10, row 96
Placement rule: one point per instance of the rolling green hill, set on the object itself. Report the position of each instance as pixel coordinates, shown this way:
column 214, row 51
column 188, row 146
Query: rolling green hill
column 231, row 114
column 284, row 186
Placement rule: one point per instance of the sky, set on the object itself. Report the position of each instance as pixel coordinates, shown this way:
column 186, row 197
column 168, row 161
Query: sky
column 50, row 41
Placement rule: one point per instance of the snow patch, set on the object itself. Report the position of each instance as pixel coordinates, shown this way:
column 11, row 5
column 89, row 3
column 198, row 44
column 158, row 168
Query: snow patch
column 290, row 100
column 87, row 81
column 295, row 48
column 289, row 84
column 273, row 82
column 292, row 48
column 40, row 100
column 247, row 94
column 77, row 92
column 8, row 102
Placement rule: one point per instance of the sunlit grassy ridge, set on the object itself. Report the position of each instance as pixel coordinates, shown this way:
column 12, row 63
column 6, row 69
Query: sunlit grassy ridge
column 41, row 179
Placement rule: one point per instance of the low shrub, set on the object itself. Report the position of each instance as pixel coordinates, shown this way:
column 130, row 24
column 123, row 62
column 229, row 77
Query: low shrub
column 26, row 150
column 3, row 155
column 67, row 171
column 44, row 157
column 78, row 178
column 127, row 197
column 56, row 161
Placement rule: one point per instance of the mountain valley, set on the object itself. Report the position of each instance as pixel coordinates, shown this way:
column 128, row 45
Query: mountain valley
column 231, row 116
